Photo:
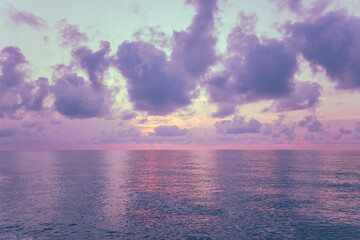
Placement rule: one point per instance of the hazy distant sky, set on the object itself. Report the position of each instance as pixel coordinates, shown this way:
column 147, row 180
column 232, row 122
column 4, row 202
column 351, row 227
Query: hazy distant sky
column 135, row 74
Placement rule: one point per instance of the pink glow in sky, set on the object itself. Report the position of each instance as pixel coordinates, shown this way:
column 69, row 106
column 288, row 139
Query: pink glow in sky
column 199, row 74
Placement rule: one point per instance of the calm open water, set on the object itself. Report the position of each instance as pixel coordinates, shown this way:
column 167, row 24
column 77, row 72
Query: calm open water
column 180, row 195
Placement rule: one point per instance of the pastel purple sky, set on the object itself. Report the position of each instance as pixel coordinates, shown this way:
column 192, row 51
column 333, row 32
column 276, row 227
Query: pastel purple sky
column 270, row 74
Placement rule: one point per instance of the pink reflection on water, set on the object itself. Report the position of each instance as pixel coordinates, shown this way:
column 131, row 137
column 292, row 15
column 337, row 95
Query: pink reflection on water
column 172, row 186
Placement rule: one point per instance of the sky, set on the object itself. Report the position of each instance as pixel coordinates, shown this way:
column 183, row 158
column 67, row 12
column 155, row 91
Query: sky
column 180, row 74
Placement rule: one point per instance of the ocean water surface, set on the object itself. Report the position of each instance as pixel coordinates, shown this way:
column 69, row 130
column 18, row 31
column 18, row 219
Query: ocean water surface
column 180, row 195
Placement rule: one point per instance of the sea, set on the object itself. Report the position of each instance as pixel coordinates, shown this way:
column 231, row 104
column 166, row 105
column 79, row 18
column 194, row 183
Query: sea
column 152, row 194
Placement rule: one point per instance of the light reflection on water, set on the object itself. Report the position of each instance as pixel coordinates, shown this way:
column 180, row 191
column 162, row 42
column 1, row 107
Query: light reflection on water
column 180, row 194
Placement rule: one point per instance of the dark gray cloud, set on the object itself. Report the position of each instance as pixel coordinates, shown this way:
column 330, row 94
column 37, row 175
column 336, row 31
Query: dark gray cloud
column 76, row 97
column 238, row 126
column 256, row 70
column 70, row 34
column 332, row 42
column 26, row 18
column 15, row 93
column 345, row 131
column 161, row 86
column 168, row 131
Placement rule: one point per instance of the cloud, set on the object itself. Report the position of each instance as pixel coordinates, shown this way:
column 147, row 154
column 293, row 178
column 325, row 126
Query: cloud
column 256, row 69
column 315, row 126
column 74, row 96
column 18, row 96
column 143, row 120
column 128, row 115
column 70, row 34
column 312, row 124
column 160, row 86
column 95, row 64
column 332, row 42
column 168, row 131
column 306, row 95
column 299, row 7
column 194, row 48
column 8, row 132
column 27, row 124
column 310, row 137
column 26, row 18
column 357, row 127
column 238, row 126
column 279, row 128
column 345, row 131
column 55, row 121
column 153, row 85
column 153, row 35
column 337, row 137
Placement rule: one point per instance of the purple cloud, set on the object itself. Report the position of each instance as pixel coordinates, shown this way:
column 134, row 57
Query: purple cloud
column 160, row 86
column 128, row 115
column 315, row 126
column 55, row 121
column 77, row 98
column 345, row 131
column 332, row 42
column 143, row 120
column 310, row 137
column 153, row 35
column 194, row 48
column 168, row 131
column 12, row 59
column 70, row 34
column 312, row 124
column 257, row 70
column 26, row 18
column 153, row 85
column 306, row 95
column 15, row 92
column 279, row 128
column 298, row 6
column 27, row 124
column 95, row 64
column 238, row 126
column 357, row 127
column 8, row 132
column 293, row 5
